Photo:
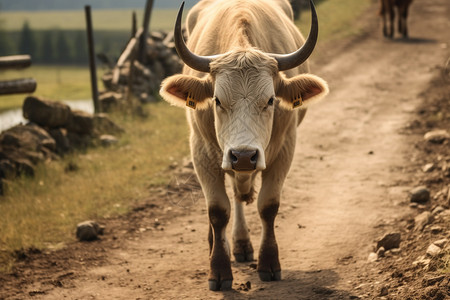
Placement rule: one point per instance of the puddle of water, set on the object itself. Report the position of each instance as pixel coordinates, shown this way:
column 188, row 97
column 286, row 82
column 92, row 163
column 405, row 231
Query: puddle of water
column 14, row 117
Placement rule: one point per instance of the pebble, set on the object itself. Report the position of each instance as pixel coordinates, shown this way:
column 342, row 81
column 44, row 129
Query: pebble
column 436, row 229
column 419, row 194
column 436, row 136
column 433, row 250
column 384, row 291
column 396, row 251
column 441, row 243
column 437, row 210
column 389, row 241
column 421, row 261
column 373, row 257
column 108, row 140
column 428, row 168
column 432, row 280
column 88, row 231
column 420, row 221
column 380, row 252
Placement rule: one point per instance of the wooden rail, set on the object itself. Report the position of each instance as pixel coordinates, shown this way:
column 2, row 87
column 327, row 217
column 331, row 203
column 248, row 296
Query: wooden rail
column 16, row 86
column 15, row 62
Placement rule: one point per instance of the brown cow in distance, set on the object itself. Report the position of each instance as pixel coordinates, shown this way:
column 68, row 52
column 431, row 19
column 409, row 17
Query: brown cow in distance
column 387, row 8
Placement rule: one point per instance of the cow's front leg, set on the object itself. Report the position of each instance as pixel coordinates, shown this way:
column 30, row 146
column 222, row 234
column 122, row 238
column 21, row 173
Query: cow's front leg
column 211, row 178
column 220, row 276
column 273, row 177
column 269, row 268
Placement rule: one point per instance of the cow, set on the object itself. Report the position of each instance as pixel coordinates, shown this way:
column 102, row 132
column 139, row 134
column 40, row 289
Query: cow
column 245, row 86
column 387, row 13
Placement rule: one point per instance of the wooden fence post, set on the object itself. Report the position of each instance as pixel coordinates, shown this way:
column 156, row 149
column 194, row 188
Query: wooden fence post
column 143, row 39
column 92, row 66
column 133, row 25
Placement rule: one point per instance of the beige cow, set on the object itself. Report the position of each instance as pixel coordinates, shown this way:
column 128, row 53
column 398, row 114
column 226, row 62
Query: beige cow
column 243, row 107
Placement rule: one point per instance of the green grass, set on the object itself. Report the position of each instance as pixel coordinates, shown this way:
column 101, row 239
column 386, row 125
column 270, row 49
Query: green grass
column 336, row 18
column 42, row 212
column 53, row 82
column 111, row 20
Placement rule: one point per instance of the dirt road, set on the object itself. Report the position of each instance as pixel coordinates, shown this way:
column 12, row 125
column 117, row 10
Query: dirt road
column 346, row 188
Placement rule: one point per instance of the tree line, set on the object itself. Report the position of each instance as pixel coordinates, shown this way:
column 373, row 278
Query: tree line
column 62, row 47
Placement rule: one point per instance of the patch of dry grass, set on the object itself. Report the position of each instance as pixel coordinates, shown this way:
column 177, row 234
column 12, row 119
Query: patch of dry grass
column 42, row 212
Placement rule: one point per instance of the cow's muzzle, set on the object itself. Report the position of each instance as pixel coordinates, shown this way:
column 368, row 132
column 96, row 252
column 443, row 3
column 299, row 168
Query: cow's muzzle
column 243, row 160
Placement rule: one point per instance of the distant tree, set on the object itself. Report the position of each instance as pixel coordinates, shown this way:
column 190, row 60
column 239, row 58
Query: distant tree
column 27, row 42
column 47, row 47
column 63, row 51
column 106, row 45
column 6, row 45
column 80, row 48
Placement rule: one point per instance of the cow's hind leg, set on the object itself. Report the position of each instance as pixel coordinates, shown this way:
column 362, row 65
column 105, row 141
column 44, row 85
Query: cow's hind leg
column 243, row 193
column 391, row 13
column 404, row 18
column 269, row 268
column 382, row 13
column 242, row 246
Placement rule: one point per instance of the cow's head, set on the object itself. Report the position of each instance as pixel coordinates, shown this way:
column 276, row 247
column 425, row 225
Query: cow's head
column 244, row 86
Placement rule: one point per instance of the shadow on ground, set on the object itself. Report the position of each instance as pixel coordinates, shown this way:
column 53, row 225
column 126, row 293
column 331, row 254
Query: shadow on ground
column 311, row 285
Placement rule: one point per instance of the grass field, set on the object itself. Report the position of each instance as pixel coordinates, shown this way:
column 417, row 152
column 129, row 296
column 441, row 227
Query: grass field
column 53, row 82
column 42, row 212
column 111, row 20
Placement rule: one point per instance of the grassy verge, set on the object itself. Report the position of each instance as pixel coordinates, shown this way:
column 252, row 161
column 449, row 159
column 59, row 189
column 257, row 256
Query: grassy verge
column 53, row 82
column 336, row 18
column 41, row 212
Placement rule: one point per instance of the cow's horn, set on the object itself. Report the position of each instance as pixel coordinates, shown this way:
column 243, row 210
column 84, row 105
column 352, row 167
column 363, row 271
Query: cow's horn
column 294, row 59
column 196, row 62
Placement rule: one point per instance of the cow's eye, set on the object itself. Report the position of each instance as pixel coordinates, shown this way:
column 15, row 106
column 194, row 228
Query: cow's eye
column 217, row 101
column 270, row 102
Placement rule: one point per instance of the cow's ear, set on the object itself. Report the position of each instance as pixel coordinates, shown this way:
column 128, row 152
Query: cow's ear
column 301, row 90
column 185, row 90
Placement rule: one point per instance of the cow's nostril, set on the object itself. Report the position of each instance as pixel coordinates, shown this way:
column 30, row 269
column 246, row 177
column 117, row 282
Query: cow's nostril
column 233, row 157
column 243, row 160
column 254, row 158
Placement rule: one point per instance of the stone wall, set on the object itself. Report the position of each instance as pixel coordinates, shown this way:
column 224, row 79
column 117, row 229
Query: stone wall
column 54, row 129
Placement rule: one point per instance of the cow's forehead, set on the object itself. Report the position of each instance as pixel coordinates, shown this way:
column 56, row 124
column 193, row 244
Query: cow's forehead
column 244, row 60
column 238, row 84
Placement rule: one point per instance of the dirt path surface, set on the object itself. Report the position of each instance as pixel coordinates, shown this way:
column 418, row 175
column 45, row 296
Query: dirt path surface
column 347, row 186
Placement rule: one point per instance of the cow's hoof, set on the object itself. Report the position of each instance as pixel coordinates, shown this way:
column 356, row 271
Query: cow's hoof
column 243, row 250
column 243, row 257
column 270, row 276
column 215, row 285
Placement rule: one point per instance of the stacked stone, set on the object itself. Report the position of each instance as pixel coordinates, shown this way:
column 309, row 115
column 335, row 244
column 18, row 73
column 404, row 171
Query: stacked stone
column 161, row 61
column 54, row 129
